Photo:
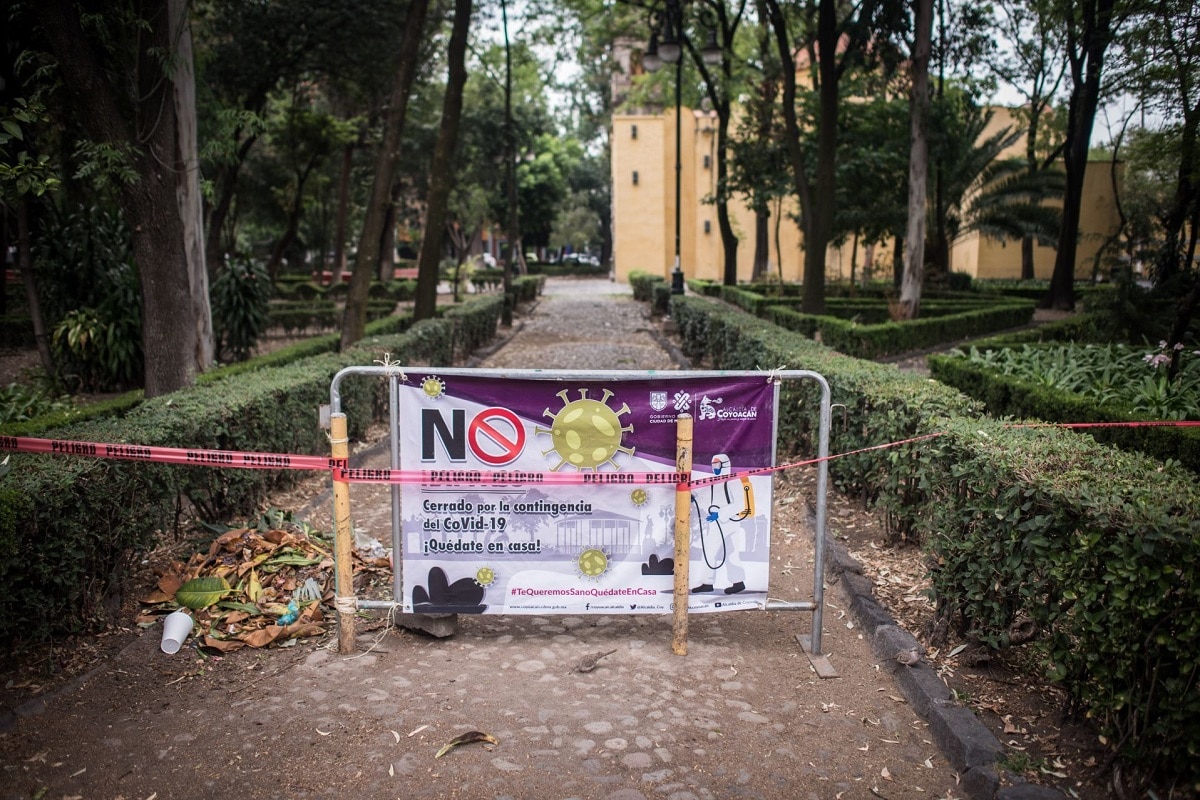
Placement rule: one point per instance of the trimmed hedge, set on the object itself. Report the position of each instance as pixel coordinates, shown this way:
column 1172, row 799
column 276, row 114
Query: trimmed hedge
column 69, row 525
column 879, row 339
column 1006, row 395
column 1099, row 549
column 892, row 338
column 643, row 285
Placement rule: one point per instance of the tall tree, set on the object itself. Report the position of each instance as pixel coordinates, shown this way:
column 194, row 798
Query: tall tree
column 1091, row 26
column 145, row 138
column 187, row 173
column 1164, row 47
column 840, row 42
column 354, row 321
column 516, row 248
column 441, row 173
column 1032, row 63
column 918, row 162
column 722, row 20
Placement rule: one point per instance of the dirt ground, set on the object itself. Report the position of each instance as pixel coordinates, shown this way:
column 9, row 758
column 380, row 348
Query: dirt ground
column 742, row 715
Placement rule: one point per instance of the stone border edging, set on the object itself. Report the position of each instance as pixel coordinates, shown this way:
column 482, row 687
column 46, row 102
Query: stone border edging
column 964, row 741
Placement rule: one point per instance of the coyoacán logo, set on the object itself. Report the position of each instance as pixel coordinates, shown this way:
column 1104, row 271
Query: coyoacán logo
column 709, row 410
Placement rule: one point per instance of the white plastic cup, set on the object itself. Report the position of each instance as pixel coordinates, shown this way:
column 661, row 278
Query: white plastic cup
column 176, row 628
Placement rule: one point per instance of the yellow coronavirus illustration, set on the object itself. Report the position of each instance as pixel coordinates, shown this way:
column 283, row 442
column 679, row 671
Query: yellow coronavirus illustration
column 433, row 386
column 485, row 576
column 586, row 433
column 593, row 562
column 639, row 497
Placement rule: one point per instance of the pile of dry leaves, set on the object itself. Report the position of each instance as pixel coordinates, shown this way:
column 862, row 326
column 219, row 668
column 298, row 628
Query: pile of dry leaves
column 254, row 587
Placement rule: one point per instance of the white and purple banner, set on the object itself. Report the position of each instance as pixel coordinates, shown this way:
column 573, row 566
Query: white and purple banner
column 526, row 547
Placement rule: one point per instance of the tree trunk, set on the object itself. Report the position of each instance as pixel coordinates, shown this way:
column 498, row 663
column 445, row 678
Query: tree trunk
column 778, row 240
column 226, row 187
column 513, row 232
column 762, row 244
column 149, row 203
column 853, row 257
column 729, row 239
column 25, row 263
column 293, row 222
column 441, row 169
column 187, row 172
column 816, row 238
column 1031, row 159
column 918, row 164
column 354, row 322
column 1086, row 50
column 1183, row 319
column 1186, row 187
column 339, row 232
column 387, row 237
column 796, row 155
column 1027, row 271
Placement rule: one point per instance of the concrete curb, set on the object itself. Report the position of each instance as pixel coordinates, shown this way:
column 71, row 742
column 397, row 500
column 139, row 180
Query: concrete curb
column 966, row 742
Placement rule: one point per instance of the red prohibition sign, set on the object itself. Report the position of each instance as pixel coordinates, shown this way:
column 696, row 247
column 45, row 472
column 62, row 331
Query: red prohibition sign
column 510, row 444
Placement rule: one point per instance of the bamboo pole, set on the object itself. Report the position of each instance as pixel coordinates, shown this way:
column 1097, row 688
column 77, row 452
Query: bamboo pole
column 683, row 545
column 343, row 540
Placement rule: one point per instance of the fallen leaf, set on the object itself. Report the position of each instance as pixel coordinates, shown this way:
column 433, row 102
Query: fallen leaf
column 883, row 773
column 418, row 730
column 467, row 738
column 263, row 636
column 397, row 737
column 323, row 733
column 202, row 592
column 223, row 645
column 254, row 587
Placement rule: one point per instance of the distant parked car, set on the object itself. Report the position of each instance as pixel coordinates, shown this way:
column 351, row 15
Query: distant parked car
column 581, row 258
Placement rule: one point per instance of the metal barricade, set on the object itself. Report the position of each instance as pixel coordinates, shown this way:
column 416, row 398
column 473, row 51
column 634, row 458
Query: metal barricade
column 347, row 603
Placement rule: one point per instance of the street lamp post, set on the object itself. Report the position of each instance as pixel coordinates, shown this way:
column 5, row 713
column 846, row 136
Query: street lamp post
column 670, row 51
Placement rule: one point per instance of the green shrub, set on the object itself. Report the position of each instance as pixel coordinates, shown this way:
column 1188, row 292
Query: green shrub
column 892, row 338
column 527, row 288
column 21, row 403
column 239, row 295
column 71, row 546
column 643, row 284
column 90, row 298
column 1099, row 549
column 303, row 289
column 96, row 351
column 1023, row 398
column 474, row 323
column 862, row 327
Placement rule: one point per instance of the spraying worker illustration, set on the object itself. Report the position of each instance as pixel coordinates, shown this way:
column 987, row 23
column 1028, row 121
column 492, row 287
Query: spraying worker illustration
column 721, row 508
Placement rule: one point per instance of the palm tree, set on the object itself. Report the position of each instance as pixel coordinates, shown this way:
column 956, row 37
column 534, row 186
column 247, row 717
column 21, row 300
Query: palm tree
column 977, row 191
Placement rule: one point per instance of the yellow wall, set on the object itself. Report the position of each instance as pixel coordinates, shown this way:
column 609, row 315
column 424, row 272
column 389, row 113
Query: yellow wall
column 644, row 214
